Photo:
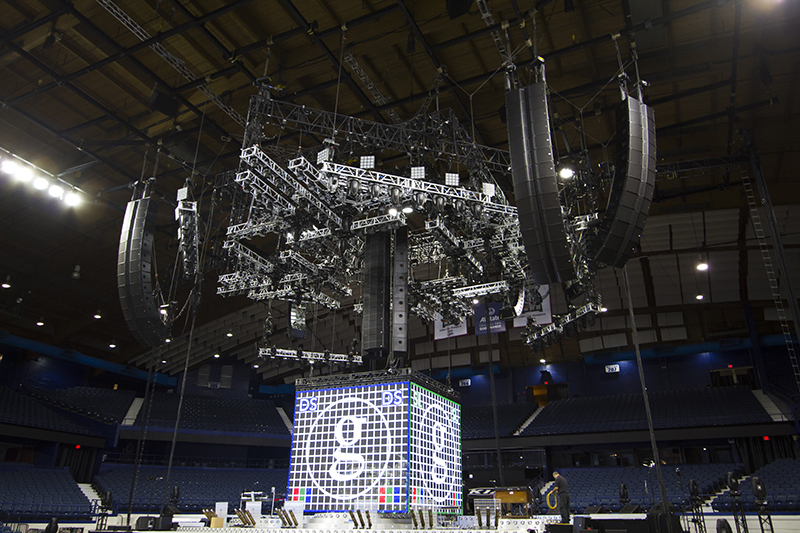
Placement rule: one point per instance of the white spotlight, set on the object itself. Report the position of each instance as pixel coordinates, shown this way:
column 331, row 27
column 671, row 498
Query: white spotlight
column 566, row 173
column 255, row 366
column 408, row 209
column 56, row 191
column 699, row 297
column 229, row 334
column 112, row 345
column 216, row 356
column 392, row 211
column 98, row 315
column 7, row 283
column 603, row 309
column 163, row 361
column 542, row 360
column 40, row 323
column 475, row 301
column 72, row 199
column 10, row 167
column 702, row 266
column 40, row 183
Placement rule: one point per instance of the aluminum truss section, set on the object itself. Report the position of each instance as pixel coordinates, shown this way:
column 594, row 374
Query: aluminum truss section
column 409, row 185
column 437, row 227
column 173, row 61
column 288, row 184
column 377, row 96
column 409, row 136
column 289, row 292
column 252, row 183
column 559, row 323
column 488, row 19
column 474, row 291
column 433, row 91
column 311, row 357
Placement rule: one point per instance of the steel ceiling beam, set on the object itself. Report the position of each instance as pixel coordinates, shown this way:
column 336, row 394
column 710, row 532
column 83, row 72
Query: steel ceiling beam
column 292, row 10
column 127, row 52
column 436, row 64
column 22, row 30
column 226, row 54
column 299, row 31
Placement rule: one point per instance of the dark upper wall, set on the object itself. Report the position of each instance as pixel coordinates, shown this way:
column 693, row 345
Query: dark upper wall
column 662, row 373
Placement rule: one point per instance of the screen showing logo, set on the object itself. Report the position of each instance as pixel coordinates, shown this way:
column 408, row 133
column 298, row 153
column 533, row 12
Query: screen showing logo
column 387, row 447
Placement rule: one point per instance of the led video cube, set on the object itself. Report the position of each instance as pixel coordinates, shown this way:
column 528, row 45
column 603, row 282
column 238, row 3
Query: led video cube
column 390, row 447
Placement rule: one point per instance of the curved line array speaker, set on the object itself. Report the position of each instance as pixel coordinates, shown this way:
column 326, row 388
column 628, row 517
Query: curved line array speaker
column 536, row 186
column 632, row 187
column 375, row 322
column 134, row 277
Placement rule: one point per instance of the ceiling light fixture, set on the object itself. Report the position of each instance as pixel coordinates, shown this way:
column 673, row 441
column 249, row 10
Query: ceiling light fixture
column 167, row 340
column 542, row 360
column 255, row 366
column 566, row 173
column 72, row 199
column 216, row 356
column 392, row 211
column 408, row 209
column 163, row 361
column 603, row 309
column 7, row 283
column 10, row 167
column 40, row 322
column 40, row 183
column 112, row 345
column 229, row 334
column 702, row 265
column 98, row 315
column 56, row 191
column 475, row 301
column 699, row 296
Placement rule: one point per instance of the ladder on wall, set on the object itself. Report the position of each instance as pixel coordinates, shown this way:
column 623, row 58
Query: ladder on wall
column 758, row 228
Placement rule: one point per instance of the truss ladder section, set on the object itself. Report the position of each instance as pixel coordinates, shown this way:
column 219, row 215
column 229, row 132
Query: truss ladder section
column 486, row 15
column 758, row 228
column 376, row 93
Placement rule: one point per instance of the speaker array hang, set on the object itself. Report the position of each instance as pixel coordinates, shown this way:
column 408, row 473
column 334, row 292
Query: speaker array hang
column 134, row 276
column 533, row 170
column 632, row 187
column 375, row 321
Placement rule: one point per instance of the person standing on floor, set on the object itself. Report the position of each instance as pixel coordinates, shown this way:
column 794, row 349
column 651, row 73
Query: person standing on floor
column 562, row 490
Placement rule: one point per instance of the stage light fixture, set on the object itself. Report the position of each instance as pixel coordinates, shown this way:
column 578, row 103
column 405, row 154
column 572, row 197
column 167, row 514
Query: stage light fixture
column 112, row 345
column 542, row 360
column 163, row 361
column 216, row 356
column 40, row 322
column 72, row 199
column 167, row 340
column 407, row 209
column 603, row 309
column 392, row 211
column 566, row 173
column 56, row 191
column 40, row 183
column 451, row 179
column 98, row 315
column 7, row 283
column 699, row 296
column 475, row 301
column 229, row 334
column 255, row 366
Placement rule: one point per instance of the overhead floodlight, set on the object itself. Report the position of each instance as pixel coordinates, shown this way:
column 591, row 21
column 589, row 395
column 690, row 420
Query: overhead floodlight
column 216, row 356
column 699, row 296
column 229, row 334
column 23, row 174
column 163, row 361
column 10, row 167
column 56, row 191
column 417, row 173
column 489, row 189
column 703, row 266
column 566, row 173
column 7, row 283
column 98, row 315
column 72, row 199
column 40, row 183
column 112, row 345
column 392, row 211
column 408, row 209
column 603, row 309
column 451, row 179
column 40, row 322
column 367, row 161
column 255, row 366
column 542, row 360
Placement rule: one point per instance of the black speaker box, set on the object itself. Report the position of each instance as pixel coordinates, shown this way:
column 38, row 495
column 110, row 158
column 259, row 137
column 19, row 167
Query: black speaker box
column 400, row 293
column 594, row 509
column 163, row 523
column 163, row 103
column 375, row 322
column 144, row 523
